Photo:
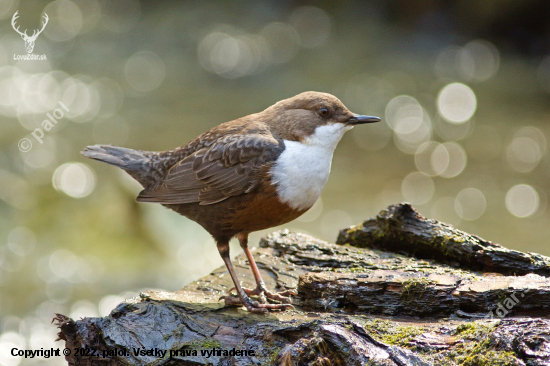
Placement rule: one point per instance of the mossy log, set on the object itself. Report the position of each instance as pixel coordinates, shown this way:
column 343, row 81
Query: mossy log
column 355, row 306
column 400, row 228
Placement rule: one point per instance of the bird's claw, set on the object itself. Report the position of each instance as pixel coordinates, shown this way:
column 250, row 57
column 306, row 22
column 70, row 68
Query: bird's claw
column 283, row 296
column 254, row 306
column 260, row 306
column 263, row 293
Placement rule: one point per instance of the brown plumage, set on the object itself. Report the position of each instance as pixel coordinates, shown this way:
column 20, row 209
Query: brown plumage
column 239, row 177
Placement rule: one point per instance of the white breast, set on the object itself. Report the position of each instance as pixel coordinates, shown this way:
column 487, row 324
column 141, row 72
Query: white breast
column 303, row 168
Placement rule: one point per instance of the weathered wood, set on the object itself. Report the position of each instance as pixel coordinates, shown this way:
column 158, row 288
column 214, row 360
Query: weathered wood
column 387, row 283
column 164, row 321
column 400, row 228
column 421, row 294
column 345, row 295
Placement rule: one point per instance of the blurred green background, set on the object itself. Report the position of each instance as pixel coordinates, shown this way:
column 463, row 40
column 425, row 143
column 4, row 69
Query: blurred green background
column 463, row 89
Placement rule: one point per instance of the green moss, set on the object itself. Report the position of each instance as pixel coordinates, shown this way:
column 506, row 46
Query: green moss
column 492, row 358
column 445, row 241
column 203, row 343
column 390, row 333
column 209, row 343
column 473, row 345
column 472, row 330
column 478, row 349
column 458, row 239
column 274, row 355
column 402, row 336
column 484, row 353
column 414, row 287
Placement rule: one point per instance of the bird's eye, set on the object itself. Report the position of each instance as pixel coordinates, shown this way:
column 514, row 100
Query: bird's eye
column 323, row 112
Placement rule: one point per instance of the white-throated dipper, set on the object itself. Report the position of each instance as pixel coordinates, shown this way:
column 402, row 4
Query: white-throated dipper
column 249, row 174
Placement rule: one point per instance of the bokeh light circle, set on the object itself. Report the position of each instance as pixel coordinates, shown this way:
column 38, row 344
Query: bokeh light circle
column 470, row 204
column 233, row 56
column 283, row 40
column 456, row 103
column 446, row 160
column 65, row 20
column 410, row 123
column 63, row 263
column 450, row 158
column 423, row 157
column 485, row 60
column 477, row 61
column 522, row 200
column 9, row 341
column 74, row 179
column 526, row 149
column 440, row 159
column 403, row 114
column 144, row 71
column 417, row 188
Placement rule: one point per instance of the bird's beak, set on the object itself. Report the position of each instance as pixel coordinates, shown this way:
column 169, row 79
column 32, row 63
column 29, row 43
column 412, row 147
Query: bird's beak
column 358, row 119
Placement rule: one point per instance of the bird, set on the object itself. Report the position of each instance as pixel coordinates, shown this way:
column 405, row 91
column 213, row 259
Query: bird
column 252, row 173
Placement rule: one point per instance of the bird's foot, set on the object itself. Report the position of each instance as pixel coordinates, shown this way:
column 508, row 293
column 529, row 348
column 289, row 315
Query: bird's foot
column 283, row 296
column 264, row 293
column 253, row 306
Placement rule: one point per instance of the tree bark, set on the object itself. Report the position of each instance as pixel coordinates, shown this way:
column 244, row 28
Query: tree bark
column 355, row 306
column 400, row 228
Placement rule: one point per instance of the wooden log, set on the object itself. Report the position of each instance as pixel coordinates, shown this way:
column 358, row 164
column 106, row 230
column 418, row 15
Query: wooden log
column 388, row 283
column 400, row 228
column 433, row 295
column 355, row 306
column 161, row 329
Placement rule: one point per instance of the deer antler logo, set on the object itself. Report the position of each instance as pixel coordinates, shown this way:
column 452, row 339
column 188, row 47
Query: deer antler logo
column 29, row 41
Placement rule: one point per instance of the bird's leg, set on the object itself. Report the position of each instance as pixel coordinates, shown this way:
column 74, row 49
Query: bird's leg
column 243, row 299
column 260, row 285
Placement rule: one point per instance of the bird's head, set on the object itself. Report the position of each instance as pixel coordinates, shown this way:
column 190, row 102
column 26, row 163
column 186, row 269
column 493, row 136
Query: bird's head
column 314, row 118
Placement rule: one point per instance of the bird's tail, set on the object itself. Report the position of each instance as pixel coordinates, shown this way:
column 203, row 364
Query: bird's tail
column 134, row 162
column 127, row 159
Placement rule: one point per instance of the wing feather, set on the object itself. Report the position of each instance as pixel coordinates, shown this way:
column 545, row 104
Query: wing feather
column 226, row 168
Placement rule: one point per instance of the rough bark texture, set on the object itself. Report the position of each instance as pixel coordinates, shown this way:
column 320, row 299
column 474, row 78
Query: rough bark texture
column 400, row 228
column 355, row 306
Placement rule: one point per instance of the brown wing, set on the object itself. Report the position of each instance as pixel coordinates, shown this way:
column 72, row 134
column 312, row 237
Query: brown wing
column 227, row 168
